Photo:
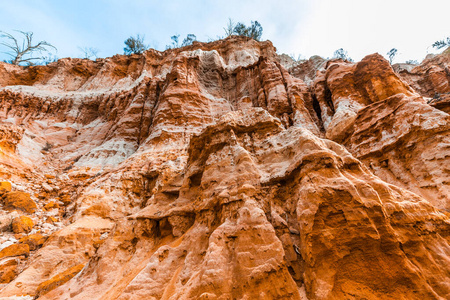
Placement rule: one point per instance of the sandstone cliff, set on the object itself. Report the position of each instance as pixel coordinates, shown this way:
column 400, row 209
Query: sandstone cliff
column 219, row 171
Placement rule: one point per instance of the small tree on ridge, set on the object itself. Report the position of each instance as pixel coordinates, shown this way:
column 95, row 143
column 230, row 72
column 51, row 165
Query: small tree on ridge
column 134, row 45
column 342, row 54
column 442, row 43
column 253, row 31
column 391, row 54
column 190, row 38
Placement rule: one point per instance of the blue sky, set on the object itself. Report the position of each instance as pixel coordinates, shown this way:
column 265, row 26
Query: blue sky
column 297, row 27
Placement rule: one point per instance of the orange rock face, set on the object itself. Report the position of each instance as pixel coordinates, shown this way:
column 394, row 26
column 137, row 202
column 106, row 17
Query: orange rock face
column 393, row 130
column 222, row 171
column 58, row 280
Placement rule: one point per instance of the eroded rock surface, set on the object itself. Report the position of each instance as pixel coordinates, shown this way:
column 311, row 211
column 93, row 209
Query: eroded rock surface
column 213, row 172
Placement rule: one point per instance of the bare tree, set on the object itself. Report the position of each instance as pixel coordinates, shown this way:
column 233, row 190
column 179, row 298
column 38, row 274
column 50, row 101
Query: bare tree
column 19, row 50
column 229, row 30
column 89, row 52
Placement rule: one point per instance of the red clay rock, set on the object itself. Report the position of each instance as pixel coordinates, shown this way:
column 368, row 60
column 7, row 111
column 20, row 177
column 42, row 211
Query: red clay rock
column 22, row 224
column 431, row 77
column 8, row 270
column 51, row 220
column 20, row 201
column 34, row 241
column 15, row 250
column 50, row 205
column 5, row 186
column 10, row 136
column 343, row 88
